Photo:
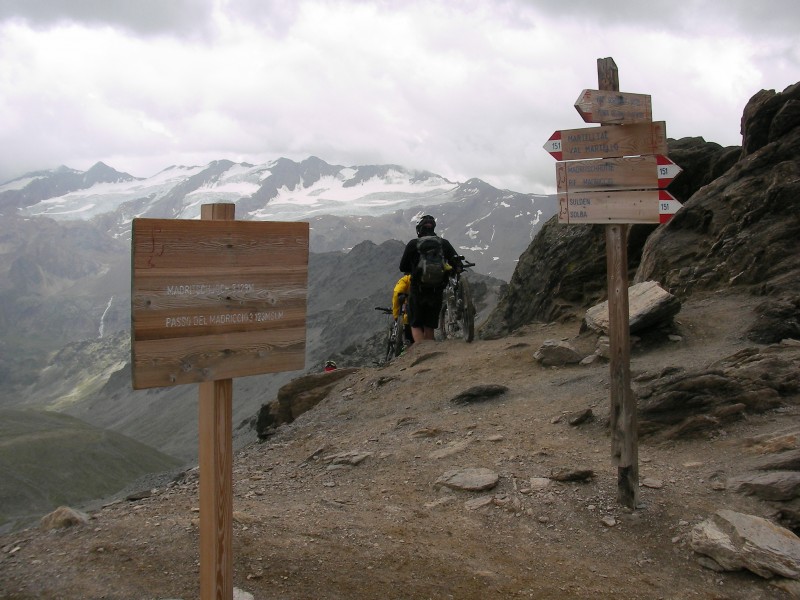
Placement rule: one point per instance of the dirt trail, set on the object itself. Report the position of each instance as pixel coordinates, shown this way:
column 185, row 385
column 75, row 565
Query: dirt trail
column 305, row 527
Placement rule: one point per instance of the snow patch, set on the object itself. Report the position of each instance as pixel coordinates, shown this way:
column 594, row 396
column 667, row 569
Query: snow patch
column 17, row 184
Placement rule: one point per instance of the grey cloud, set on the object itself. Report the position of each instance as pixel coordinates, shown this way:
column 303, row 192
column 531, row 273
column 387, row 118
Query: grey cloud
column 142, row 17
column 779, row 17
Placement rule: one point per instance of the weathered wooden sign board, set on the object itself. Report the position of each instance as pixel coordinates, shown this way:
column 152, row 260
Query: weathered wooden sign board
column 608, row 141
column 627, row 206
column 625, row 173
column 217, row 299
column 606, row 106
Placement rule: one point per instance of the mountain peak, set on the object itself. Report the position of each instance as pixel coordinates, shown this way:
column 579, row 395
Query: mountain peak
column 102, row 173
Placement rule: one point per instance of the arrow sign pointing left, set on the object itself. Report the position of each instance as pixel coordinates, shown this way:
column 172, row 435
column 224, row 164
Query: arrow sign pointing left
column 609, row 141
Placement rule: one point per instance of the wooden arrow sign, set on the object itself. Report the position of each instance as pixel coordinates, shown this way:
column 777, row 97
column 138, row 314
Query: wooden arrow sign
column 648, row 206
column 605, row 106
column 626, row 173
column 610, row 141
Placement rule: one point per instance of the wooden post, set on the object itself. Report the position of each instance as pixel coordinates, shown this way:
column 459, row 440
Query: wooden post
column 624, row 423
column 216, row 470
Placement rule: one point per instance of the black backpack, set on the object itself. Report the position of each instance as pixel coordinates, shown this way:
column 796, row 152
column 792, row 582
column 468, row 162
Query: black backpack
column 430, row 271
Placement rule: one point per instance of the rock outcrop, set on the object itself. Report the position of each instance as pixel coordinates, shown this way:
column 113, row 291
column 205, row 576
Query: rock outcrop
column 740, row 229
column 295, row 398
column 679, row 402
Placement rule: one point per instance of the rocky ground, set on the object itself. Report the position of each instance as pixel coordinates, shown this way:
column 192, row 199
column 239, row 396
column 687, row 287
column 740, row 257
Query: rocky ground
column 349, row 500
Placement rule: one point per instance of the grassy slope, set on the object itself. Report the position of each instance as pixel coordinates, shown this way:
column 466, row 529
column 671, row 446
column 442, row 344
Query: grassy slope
column 50, row 459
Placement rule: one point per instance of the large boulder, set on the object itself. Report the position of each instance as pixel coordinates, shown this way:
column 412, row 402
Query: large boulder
column 737, row 541
column 648, row 305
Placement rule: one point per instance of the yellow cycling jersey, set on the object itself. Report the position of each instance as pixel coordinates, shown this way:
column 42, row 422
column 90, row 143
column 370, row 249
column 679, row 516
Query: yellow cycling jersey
column 402, row 286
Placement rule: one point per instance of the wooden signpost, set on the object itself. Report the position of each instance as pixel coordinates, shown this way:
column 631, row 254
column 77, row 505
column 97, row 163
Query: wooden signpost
column 615, row 174
column 211, row 300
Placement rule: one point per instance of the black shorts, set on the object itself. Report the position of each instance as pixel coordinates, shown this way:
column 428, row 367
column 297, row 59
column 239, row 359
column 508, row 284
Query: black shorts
column 424, row 306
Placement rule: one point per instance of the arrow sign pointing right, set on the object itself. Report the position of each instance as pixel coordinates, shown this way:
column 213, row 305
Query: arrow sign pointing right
column 667, row 170
column 626, row 173
column 668, row 205
column 627, row 206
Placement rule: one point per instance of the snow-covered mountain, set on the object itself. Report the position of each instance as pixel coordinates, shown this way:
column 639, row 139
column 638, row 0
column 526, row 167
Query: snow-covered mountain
column 280, row 190
column 345, row 205
column 65, row 271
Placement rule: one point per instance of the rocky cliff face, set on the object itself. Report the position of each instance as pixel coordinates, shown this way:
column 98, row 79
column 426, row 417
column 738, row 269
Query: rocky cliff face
column 741, row 229
column 738, row 226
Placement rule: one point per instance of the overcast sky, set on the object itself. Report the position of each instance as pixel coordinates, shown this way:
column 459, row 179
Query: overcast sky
column 463, row 88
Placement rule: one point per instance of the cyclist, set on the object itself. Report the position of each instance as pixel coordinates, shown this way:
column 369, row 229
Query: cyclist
column 425, row 303
column 399, row 298
column 330, row 366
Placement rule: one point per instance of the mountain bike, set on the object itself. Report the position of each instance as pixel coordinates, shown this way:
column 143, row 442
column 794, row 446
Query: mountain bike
column 457, row 317
column 397, row 339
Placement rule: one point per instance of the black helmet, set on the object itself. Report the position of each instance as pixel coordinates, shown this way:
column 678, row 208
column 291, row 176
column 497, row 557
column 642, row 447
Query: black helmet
column 426, row 225
column 330, row 363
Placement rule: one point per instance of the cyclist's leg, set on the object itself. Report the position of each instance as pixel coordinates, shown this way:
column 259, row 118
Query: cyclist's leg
column 415, row 314
column 432, row 305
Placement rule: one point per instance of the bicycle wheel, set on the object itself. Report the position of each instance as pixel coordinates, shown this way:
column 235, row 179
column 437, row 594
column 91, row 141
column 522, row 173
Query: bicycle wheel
column 467, row 311
column 443, row 322
column 391, row 345
column 448, row 319
column 399, row 336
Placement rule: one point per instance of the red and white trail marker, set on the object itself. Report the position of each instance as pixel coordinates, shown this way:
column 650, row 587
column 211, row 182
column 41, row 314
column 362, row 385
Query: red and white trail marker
column 667, row 170
column 667, row 206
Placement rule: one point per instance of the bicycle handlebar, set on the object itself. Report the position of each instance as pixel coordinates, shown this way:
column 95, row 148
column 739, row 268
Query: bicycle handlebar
column 465, row 262
column 387, row 311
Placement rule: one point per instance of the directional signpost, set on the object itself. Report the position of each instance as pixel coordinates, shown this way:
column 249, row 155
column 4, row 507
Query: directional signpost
column 616, row 174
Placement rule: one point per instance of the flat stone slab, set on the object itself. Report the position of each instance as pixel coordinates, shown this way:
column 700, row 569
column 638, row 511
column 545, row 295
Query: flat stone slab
column 470, row 479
